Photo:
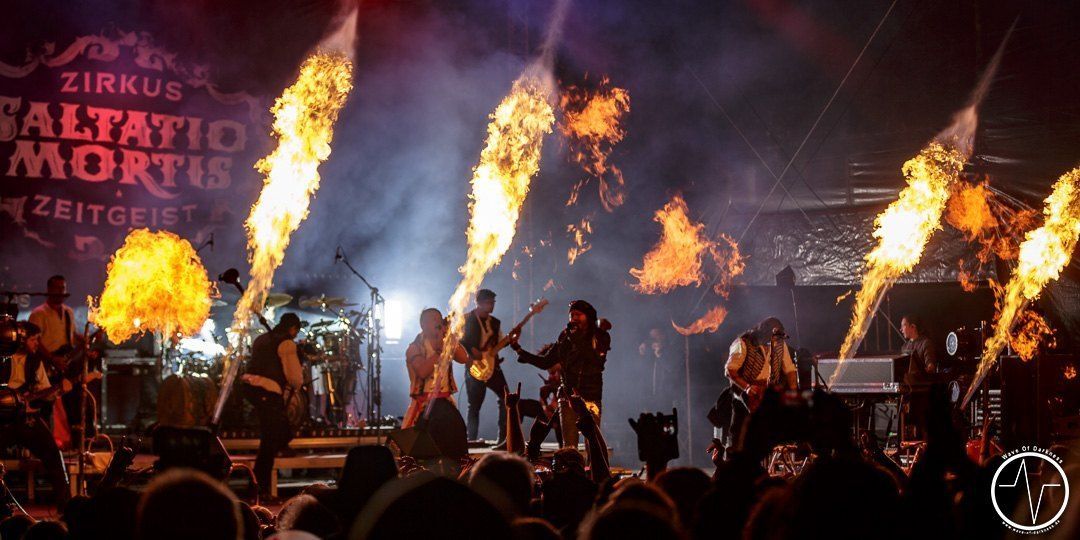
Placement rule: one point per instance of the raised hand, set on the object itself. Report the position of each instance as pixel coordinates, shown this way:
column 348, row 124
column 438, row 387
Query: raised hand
column 511, row 399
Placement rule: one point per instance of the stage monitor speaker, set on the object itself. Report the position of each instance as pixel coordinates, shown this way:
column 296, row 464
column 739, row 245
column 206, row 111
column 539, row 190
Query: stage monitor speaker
column 194, row 448
column 442, row 434
column 128, row 387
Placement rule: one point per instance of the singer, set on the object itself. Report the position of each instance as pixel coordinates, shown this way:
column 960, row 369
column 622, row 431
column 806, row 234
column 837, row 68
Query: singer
column 581, row 350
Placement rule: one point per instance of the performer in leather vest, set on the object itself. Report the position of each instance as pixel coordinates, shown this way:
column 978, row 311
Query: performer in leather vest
column 581, row 350
column 482, row 331
column 25, row 373
column 274, row 369
column 758, row 359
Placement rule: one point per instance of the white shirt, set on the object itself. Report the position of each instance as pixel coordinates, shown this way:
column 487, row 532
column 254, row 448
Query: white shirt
column 737, row 354
column 18, row 374
column 55, row 331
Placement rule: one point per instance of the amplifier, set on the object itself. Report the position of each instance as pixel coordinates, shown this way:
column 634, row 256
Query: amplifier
column 867, row 370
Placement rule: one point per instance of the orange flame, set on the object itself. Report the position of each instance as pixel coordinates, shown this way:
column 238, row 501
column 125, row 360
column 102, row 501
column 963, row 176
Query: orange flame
column 577, row 233
column 304, row 119
column 1032, row 332
column 709, row 322
column 729, row 262
column 966, row 278
column 592, row 122
column 969, row 210
column 156, row 283
column 976, row 211
column 500, row 182
column 903, row 230
column 676, row 260
column 1043, row 254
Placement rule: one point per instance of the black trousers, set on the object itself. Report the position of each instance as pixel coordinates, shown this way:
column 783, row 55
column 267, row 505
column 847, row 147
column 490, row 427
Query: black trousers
column 476, row 391
column 274, row 431
column 34, row 435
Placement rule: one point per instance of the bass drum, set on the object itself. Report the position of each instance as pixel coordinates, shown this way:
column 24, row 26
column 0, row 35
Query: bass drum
column 186, row 401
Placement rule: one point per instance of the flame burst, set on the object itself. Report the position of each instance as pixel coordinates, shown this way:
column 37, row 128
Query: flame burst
column 156, row 283
column 304, row 118
column 1043, row 254
column 577, row 233
column 709, row 322
column 984, row 219
column 592, row 122
column 1032, row 332
column 500, row 182
column 903, row 230
column 676, row 260
column 729, row 262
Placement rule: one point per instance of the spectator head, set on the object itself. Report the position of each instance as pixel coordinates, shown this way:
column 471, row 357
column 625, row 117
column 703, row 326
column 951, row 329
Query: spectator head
column 15, row 526
column 46, row 530
column 74, row 509
column 637, row 492
column 110, row 513
column 530, row 528
column 427, row 506
column 252, row 527
column 167, row 510
column 504, row 477
column 868, row 495
column 367, row 468
column 685, row 486
column 629, row 520
column 568, row 460
column 567, row 498
column 305, row 513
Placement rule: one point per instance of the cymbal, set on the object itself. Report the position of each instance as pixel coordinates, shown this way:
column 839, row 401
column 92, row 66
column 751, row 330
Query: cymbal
column 217, row 302
column 323, row 301
column 276, row 299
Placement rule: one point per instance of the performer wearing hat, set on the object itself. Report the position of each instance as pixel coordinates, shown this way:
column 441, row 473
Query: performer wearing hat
column 274, row 369
column 25, row 375
column 757, row 359
column 581, row 349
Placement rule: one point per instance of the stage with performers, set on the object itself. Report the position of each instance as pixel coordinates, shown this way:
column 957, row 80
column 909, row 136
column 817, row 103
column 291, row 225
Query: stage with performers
column 779, row 269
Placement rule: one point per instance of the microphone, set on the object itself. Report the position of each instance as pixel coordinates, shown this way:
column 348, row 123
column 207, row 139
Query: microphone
column 338, row 255
column 232, row 277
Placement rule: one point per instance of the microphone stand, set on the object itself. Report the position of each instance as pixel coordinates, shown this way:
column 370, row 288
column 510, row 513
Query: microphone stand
column 374, row 349
column 83, row 446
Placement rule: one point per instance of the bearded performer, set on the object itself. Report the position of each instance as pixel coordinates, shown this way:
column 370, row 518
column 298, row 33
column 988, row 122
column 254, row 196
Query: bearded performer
column 758, row 359
column 581, row 351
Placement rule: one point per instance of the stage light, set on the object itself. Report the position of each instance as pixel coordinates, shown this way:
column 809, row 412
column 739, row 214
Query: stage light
column 392, row 320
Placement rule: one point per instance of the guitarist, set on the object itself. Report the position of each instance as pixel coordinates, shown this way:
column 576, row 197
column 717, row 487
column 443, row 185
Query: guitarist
column 25, row 373
column 758, row 359
column 482, row 331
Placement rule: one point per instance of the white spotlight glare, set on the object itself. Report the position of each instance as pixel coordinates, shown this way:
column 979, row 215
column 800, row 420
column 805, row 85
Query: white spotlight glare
column 392, row 323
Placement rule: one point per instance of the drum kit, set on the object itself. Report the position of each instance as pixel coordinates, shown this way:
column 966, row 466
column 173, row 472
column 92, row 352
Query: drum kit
column 330, row 358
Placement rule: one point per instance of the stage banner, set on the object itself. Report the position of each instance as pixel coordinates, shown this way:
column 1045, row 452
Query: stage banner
column 106, row 133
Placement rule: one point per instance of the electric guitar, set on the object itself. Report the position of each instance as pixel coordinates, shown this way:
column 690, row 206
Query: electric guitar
column 484, row 367
column 750, row 397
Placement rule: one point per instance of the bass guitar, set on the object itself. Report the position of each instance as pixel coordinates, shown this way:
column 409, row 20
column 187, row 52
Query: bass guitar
column 484, row 367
